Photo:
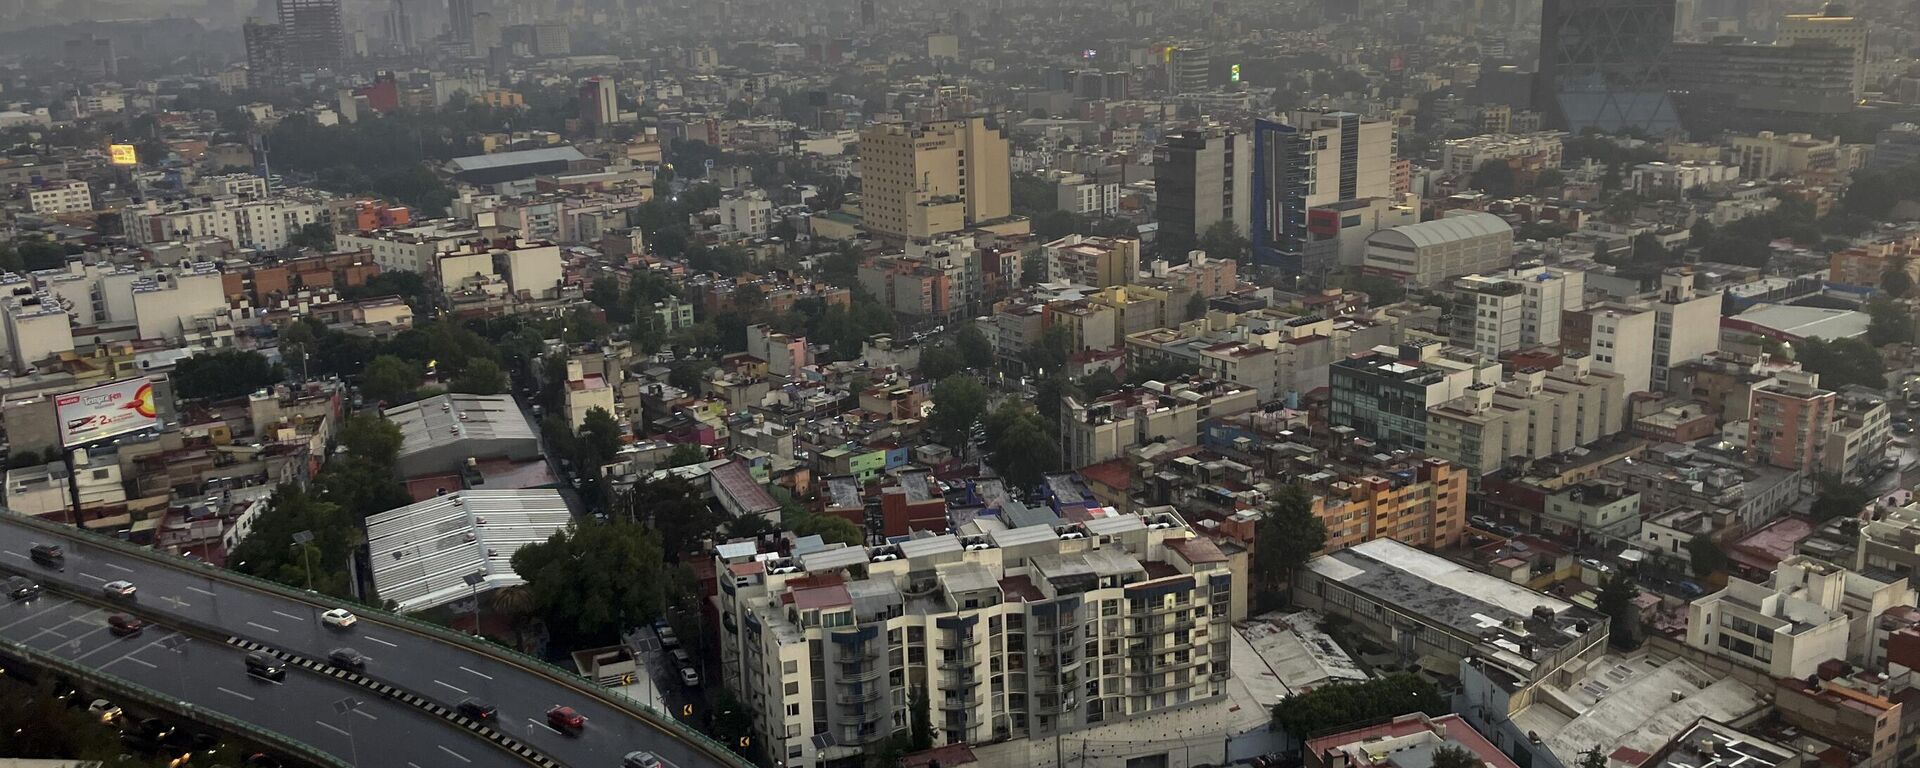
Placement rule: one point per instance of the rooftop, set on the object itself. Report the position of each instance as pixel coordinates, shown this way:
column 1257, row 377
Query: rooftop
column 448, row 419
column 422, row 553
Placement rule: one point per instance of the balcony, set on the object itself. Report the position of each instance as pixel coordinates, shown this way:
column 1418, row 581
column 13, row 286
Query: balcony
column 955, row 663
column 862, row 674
column 865, row 695
column 965, row 642
column 956, row 704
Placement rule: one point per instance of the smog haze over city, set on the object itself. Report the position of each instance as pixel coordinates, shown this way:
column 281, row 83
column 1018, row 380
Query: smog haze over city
column 970, row 384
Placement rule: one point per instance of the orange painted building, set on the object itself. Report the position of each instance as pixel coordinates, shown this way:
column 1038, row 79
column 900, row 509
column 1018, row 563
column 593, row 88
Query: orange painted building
column 1424, row 505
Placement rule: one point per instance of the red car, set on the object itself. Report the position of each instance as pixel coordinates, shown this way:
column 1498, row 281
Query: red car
column 565, row 719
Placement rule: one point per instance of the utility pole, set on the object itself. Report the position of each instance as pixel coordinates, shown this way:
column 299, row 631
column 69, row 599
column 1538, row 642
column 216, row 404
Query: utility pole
column 304, row 540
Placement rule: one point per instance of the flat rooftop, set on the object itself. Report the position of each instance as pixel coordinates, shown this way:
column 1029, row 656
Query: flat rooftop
column 422, row 553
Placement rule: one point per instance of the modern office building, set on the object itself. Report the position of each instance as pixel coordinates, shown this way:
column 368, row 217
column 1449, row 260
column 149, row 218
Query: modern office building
column 312, row 35
column 1603, row 65
column 1832, row 27
column 266, row 54
column 1201, row 177
column 460, row 19
column 1897, row 146
column 1189, row 67
column 1428, row 253
column 1384, row 397
column 1017, row 626
column 1317, row 159
column 1808, row 78
column 921, row 180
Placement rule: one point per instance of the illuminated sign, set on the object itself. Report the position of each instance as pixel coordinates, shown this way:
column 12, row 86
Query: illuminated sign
column 1235, row 74
column 123, row 154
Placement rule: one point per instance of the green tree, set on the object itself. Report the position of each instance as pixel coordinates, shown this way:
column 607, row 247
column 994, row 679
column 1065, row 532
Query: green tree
column 1196, row 307
column 315, row 236
column 390, row 379
column 674, row 509
column 370, row 436
column 1050, row 354
column 1835, row 497
column 974, row 347
column 940, row 361
column 830, row 528
column 224, row 373
column 958, row 401
column 1896, row 280
column 1616, row 601
column 1451, row 756
column 1024, row 448
column 1342, row 704
column 1593, row 758
column 1224, row 241
column 684, row 454
column 1055, row 224
column 480, row 377
column 1889, row 322
column 592, row 580
column 1494, row 177
column 1380, row 290
column 922, row 719
column 1286, row 537
column 1842, row 362
column 1705, row 555
column 1100, row 382
column 600, row 434
column 269, row 550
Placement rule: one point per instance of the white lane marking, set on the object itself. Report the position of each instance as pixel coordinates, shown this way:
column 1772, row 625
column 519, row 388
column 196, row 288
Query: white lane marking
column 202, row 591
column 412, row 765
column 332, row 727
column 544, row 725
column 134, row 660
column 262, row 626
column 291, row 616
column 380, row 641
column 463, row 758
column 177, row 602
column 235, row 693
column 16, row 554
column 455, row 687
column 57, row 604
column 90, row 576
column 96, row 649
column 482, row 674
column 117, row 567
column 365, row 714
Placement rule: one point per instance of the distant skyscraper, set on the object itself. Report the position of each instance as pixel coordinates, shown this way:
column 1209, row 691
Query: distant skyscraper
column 311, row 34
column 266, row 61
column 869, row 15
column 1835, row 27
column 1321, row 158
column 599, row 102
column 400, row 27
column 486, row 33
column 1189, row 67
column 1603, row 65
column 92, row 56
column 460, row 18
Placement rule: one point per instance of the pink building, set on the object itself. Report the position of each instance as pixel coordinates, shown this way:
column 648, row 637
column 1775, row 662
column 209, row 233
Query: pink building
column 1409, row 740
column 1789, row 419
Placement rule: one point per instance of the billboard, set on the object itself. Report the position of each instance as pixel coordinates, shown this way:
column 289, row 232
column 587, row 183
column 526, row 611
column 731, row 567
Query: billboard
column 105, row 411
column 123, row 154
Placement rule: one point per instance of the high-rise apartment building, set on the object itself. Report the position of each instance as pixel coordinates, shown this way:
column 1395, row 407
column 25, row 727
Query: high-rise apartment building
column 1319, row 158
column 599, row 102
column 1603, row 65
column 1201, row 177
column 1424, row 505
column 401, row 27
column 1008, row 631
column 311, row 34
column 266, row 56
column 926, row 179
column 1788, row 421
column 1832, row 27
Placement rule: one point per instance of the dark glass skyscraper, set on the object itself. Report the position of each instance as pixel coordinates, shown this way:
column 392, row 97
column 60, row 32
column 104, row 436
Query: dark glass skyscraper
column 1603, row 65
column 311, row 34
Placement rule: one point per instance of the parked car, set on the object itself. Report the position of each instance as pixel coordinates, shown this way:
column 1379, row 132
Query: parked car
column 338, row 618
column 565, row 720
column 689, row 677
column 122, row 625
column 640, row 759
column 120, row 588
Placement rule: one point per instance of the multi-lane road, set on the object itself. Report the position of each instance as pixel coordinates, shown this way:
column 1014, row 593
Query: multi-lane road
column 213, row 677
column 388, row 733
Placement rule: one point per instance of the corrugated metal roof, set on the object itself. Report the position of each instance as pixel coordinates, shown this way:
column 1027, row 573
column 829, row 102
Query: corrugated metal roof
column 521, row 157
column 421, row 553
column 1452, row 228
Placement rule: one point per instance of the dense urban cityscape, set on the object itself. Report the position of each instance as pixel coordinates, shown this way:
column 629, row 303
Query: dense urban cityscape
column 985, row 384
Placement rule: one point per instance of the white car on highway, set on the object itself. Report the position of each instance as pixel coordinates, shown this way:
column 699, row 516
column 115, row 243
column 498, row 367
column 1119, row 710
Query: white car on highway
column 338, row 617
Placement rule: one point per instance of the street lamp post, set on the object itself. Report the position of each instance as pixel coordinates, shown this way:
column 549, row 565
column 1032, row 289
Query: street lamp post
column 474, row 581
column 304, row 540
column 343, row 707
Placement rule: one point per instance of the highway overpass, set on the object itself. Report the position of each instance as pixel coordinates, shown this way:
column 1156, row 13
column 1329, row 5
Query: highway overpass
column 414, row 669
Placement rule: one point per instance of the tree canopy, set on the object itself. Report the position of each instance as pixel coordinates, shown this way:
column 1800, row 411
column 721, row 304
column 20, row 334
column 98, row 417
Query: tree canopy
column 1286, row 537
column 593, row 580
column 958, row 401
column 224, row 373
column 1023, row 445
column 1333, row 706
